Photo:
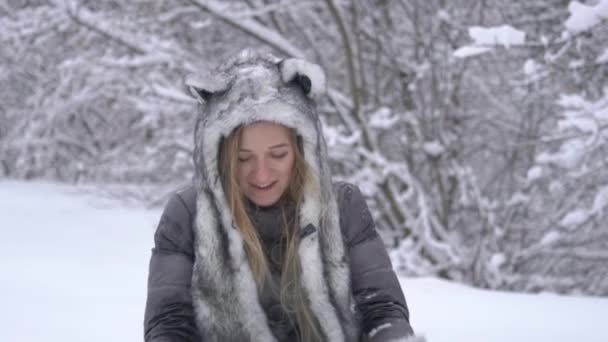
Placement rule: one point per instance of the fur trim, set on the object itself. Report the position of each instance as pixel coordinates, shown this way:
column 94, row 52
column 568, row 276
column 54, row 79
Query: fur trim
column 202, row 84
column 223, row 300
column 248, row 89
column 290, row 68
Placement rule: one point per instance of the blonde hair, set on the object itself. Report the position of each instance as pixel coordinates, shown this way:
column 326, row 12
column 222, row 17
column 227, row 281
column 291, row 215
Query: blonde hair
column 292, row 296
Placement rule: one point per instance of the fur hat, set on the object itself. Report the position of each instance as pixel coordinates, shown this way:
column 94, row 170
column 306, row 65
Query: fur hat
column 252, row 87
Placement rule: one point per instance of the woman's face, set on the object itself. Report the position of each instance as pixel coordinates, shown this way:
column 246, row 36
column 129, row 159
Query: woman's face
column 266, row 159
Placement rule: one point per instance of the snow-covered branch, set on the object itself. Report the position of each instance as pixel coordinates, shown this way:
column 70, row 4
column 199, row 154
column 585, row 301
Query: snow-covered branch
column 255, row 29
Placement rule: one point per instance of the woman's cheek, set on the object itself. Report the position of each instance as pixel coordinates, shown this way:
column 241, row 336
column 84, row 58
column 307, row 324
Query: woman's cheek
column 282, row 167
column 243, row 171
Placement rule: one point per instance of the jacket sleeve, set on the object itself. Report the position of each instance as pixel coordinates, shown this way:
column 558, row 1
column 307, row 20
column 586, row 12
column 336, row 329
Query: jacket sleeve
column 169, row 314
column 376, row 289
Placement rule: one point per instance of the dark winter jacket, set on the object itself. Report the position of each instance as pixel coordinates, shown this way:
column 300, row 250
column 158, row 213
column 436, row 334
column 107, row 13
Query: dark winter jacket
column 169, row 310
column 201, row 287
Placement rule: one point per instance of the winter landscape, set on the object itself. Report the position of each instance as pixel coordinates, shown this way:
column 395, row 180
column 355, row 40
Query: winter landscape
column 76, row 268
column 476, row 129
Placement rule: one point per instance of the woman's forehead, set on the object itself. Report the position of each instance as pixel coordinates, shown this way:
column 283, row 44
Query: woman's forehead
column 265, row 135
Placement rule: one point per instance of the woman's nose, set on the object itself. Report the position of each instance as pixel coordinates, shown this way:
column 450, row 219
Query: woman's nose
column 261, row 173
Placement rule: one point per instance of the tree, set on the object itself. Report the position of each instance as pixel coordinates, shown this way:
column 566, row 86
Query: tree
column 443, row 112
column 551, row 236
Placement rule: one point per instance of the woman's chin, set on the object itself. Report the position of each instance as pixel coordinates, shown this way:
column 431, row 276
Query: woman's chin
column 264, row 197
column 264, row 201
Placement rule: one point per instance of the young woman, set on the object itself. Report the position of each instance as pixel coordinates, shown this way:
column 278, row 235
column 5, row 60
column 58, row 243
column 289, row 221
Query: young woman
column 263, row 246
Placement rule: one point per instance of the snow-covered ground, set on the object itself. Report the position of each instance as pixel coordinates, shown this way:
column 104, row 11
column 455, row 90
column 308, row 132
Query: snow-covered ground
column 74, row 268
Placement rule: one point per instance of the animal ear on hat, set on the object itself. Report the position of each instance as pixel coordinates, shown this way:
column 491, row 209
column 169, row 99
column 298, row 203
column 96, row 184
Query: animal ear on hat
column 308, row 75
column 203, row 84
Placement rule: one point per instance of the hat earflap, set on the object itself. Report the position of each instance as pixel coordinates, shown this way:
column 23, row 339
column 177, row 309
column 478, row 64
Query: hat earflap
column 308, row 75
column 204, row 84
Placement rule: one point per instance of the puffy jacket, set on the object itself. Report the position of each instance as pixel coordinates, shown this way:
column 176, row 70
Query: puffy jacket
column 170, row 317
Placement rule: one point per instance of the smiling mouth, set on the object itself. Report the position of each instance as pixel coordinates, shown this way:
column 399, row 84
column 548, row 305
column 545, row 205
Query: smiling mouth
column 264, row 186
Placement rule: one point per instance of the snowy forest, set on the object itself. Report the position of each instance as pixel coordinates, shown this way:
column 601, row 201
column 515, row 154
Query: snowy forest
column 477, row 129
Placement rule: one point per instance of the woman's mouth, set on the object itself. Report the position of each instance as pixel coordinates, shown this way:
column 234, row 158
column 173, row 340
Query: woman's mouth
column 264, row 187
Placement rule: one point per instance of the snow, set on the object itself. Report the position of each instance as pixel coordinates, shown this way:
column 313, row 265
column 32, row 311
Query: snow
column 583, row 17
column 130, row 62
column 584, row 116
column 367, row 181
column 497, row 260
column 603, row 58
column 600, row 201
column 444, row 311
column 383, row 118
column 469, row 51
column 433, row 148
column 335, row 136
column 200, row 24
column 487, row 37
column 574, row 218
column 504, row 35
column 550, row 237
column 584, row 124
column 577, row 63
column 569, row 155
column 75, row 268
column 518, row 198
column 534, row 173
column 171, row 93
column 443, row 15
column 572, row 101
column 531, row 67
column 556, row 188
column 251, row 26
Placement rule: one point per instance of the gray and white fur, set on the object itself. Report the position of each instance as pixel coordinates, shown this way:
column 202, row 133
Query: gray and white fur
column 247, row 89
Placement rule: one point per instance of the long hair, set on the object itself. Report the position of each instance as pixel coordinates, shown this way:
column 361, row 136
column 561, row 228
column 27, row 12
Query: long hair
column 292, row 296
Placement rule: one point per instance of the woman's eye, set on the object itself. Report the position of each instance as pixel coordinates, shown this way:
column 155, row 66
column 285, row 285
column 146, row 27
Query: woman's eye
column 279, row 156
column 244, row 159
